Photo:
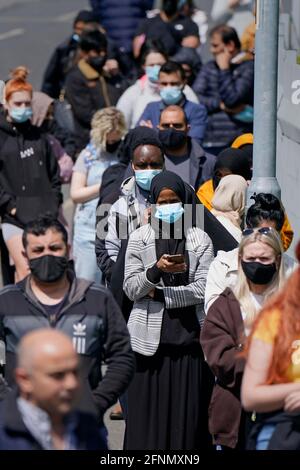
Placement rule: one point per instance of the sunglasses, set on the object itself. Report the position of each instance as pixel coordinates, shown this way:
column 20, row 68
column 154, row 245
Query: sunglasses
column 262, row 230
column 176, row 125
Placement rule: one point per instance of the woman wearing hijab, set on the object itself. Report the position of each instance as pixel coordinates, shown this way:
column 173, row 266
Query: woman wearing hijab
column 230, row 161
column 228, row 204
column 165, row 275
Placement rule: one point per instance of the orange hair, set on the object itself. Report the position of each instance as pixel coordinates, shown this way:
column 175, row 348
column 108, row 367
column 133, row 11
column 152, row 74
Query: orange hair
column 18, row 82
column 287, row 302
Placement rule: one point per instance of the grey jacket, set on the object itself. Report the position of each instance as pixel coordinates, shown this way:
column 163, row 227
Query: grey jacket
column 145, row 320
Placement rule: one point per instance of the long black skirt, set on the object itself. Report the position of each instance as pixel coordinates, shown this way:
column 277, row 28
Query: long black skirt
column 168, row 401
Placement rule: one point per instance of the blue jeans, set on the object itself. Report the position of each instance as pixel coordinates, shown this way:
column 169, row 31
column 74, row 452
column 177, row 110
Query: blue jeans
column 264, row 436
column 84, row 246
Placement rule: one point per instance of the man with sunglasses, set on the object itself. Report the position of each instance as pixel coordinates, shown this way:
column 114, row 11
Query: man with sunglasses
column 183, row 154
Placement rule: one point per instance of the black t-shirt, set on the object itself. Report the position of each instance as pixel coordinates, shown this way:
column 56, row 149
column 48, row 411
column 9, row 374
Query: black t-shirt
column 171, row 34
column 54, row 310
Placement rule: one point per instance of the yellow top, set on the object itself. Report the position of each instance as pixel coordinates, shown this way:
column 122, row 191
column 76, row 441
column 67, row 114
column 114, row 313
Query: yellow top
column 267, row 331
column 286, row 233
column 267, row 328
column 205, row 193
column 244, row 139
column 248, row 37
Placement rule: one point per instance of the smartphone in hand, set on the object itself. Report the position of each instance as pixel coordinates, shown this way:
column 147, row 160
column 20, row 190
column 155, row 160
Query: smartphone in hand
column 177, row 259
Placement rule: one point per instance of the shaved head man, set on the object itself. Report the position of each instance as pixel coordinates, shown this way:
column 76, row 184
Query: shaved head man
column 47, row 371
column 42, row 416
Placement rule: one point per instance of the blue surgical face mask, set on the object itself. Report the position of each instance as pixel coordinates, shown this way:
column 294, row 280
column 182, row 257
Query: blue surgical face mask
column 20, row 114
column 152, row 72
column 171, row 94
column 246, row 115
column 144, row 178
column 76, row 37
column 169, row 213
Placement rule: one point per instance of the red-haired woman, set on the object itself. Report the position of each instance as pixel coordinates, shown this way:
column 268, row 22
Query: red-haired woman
column 271, row 384
column 29, row 174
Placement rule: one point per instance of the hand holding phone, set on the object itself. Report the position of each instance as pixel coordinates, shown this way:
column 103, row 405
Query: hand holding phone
column 177, row 259
column 172, row 264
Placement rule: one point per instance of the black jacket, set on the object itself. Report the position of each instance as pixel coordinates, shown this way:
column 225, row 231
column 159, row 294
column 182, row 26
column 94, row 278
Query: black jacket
column 62, row 60
column 29, row 174
column 59, row 64
column 91, row 317
column 88, row 92
column 63, row 135
column 15, row 436
column 234, row 87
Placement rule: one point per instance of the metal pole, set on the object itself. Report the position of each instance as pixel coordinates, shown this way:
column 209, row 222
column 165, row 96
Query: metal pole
column 265, row 100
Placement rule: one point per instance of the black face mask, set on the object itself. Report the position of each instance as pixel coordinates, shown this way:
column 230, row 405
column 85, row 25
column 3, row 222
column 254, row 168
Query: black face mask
column 259, row 273
column 170, row 7
column 172, row 139
column 112, row 148
column 97, row 62
column 48, row 268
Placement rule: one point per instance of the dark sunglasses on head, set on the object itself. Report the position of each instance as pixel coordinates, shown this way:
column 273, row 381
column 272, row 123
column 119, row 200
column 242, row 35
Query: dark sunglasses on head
column 262, row 230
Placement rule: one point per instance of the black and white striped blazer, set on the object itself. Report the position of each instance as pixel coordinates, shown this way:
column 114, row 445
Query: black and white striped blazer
column 146, row 317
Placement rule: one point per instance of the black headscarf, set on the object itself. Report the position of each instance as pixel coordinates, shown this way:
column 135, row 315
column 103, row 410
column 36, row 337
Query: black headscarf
column 167, row 180
column 171, row 245
column 234, row 160
column 180, row 325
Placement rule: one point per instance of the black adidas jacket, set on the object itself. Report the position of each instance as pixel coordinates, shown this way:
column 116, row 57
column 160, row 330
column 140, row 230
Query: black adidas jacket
column 91, row 317
column 29, row 174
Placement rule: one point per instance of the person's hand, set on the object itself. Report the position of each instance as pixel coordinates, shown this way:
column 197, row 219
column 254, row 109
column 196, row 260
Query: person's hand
column 223, row 59
column 292, row 402
column 168, row 267
column 147, row 123
column 13, row 211
column 151, row 293
column 111, row 67
column 237, row 109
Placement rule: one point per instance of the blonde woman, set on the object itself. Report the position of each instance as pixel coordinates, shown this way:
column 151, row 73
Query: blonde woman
column 108, row 129
column 229, row 320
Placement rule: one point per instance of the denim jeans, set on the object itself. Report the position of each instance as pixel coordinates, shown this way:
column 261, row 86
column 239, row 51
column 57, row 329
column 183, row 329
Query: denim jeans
column 265, row 436
column 84, row 245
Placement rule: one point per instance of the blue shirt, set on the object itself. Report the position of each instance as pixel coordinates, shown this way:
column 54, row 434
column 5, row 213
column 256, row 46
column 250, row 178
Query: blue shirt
column 196, row 115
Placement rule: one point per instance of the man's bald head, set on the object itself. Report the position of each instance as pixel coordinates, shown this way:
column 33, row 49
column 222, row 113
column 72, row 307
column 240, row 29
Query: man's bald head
column 43, row 343
column 47, row 371
column 173, row 115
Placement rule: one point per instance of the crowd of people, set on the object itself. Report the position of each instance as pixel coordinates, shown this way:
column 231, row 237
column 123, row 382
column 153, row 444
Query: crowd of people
column 163, row 275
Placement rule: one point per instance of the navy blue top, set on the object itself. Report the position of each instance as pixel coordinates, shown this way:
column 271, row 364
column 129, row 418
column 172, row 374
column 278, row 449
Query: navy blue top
column 196, row 115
